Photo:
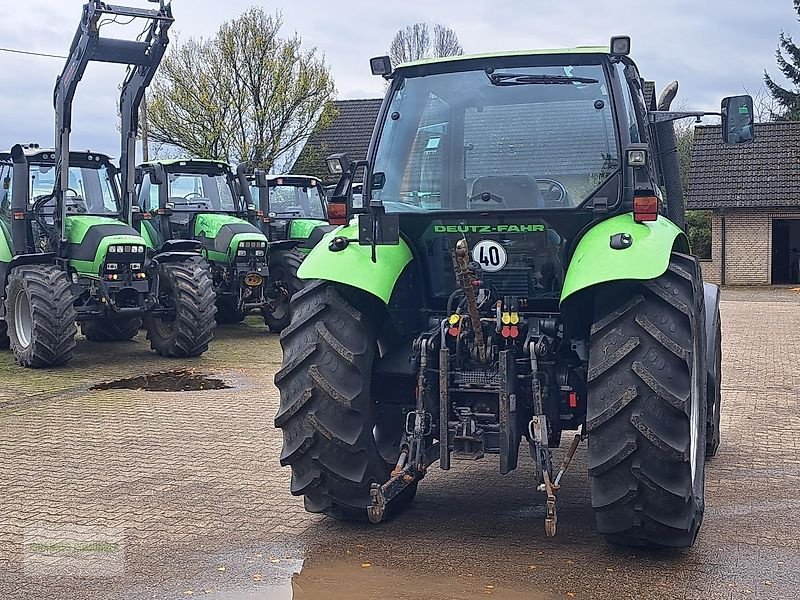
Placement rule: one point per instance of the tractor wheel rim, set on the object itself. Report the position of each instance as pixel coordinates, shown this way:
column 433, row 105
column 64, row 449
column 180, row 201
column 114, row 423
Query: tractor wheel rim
column 23, row 319
column 165, row 328
column 695, row 398
column 281, row 307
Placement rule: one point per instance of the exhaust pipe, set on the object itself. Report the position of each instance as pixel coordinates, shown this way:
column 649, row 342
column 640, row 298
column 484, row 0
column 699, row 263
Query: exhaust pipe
column 670, row 161
column 20, row 226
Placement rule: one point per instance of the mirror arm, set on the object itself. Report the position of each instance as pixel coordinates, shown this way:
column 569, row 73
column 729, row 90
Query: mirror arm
column 661, row 116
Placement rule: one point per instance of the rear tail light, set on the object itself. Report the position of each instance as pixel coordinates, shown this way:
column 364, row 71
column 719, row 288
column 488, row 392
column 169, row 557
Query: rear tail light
column 645, row 208
column 337, row 213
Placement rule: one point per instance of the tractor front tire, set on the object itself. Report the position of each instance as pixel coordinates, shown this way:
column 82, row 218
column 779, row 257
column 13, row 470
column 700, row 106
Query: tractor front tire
column 646, row 416
column 40, row 316
column 228, row 313
column 109, row 330
column 283, row 266
column 327, row 407
column 189, row 291
column 4, row 341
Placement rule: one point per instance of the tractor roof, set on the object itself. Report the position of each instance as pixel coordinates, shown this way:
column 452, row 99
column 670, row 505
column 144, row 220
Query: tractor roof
column 553, row 51
column 172, row 162
column 292, row 178
column 48, row 155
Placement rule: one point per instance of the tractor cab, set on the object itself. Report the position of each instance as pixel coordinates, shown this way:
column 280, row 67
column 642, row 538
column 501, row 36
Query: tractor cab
column 292, row 208
column 92, row 187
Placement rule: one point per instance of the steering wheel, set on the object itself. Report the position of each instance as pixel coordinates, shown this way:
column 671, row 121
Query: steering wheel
column 75, row 203
column 486, row 197
column 191, row 195
column 554, row 193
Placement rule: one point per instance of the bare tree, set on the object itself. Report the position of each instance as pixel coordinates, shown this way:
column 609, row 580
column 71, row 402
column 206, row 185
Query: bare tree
column 416, row 41
column 246, row 94
column 765, row 106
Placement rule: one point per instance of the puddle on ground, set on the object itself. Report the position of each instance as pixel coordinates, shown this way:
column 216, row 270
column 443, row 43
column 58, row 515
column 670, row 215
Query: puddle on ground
column 241, row 577
column 178, row 380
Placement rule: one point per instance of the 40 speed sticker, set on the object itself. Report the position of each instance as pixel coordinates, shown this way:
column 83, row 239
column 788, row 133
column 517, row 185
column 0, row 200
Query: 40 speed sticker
column 490, row 255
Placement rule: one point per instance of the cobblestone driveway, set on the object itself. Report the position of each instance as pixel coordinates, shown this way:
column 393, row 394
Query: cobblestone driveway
column 177, row 495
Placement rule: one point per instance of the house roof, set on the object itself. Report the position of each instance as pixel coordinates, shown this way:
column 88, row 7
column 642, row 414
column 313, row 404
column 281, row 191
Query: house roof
column 761, row 174
column 349, row 133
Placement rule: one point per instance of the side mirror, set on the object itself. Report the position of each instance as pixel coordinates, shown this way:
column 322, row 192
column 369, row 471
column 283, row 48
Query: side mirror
column 158, row 176
column 737, row 120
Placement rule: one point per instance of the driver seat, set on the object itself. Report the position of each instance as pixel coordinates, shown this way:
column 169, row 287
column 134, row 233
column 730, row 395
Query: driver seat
column 517, row 191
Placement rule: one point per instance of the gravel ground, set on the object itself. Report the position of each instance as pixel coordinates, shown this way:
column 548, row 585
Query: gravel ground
column 116, row 493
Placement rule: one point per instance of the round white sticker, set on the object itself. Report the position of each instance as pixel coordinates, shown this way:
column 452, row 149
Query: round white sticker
column 490, row 255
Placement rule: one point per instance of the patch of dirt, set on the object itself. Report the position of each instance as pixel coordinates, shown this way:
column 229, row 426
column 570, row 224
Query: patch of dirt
column 178, row 380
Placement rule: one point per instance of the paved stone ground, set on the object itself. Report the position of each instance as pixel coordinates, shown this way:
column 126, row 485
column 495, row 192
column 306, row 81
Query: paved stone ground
column 131, row 494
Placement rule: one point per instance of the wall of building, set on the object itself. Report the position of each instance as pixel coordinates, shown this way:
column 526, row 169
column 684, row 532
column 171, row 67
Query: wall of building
column 748, row 246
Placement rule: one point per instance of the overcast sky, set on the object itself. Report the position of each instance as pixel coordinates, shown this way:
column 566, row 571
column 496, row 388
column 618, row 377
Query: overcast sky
column 712, row 52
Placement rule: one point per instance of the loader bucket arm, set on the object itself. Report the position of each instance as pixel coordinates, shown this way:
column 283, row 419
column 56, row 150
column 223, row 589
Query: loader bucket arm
column 142, row 56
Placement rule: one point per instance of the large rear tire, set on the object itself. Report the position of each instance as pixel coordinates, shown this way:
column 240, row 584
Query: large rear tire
column 283, row 266
column 108, row 330
column 40, row 315
column 646, row 417
column 187, row 288
column 327, row 409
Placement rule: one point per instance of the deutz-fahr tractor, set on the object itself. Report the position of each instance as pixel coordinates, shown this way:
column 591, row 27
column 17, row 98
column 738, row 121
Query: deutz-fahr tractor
column 204, row 200
column 67, row 251
column 293, row 210
column 292, row 214
column 519, row 269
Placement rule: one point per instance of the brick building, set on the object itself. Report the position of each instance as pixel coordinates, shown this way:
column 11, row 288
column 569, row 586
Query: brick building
column 753, row 194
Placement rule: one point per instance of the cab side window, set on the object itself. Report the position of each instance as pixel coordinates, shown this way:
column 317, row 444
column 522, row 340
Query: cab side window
column 148, row 194
column 5, row 191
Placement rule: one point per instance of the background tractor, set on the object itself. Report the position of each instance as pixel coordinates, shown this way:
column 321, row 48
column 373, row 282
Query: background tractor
column 293, row 215
column 518, row 269
column 67, row 250
column 202, row 200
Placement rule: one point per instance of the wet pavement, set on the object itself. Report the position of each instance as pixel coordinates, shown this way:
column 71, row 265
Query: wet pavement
column 129, row 493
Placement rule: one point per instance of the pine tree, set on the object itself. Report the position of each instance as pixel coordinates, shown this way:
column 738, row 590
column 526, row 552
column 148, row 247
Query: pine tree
column 788, row 58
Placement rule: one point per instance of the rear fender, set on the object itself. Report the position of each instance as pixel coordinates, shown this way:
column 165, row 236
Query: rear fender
column 284, row 245
column 177, row 246
column 353, row 265
column 647, row 256
column 163, row 258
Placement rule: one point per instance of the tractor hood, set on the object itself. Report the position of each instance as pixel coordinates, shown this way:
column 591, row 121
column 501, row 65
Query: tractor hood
column 221, row 234
column 89, row 238
column 300, row 229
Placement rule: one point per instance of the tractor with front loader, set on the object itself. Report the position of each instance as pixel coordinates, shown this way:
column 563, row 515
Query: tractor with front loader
column 68, row 252
column 518, row 268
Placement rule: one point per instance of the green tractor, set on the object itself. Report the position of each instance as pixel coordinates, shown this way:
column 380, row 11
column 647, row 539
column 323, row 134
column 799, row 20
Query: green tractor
column 203, row 200
column 293, row 211
column 516, row 271
column 67, row 251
